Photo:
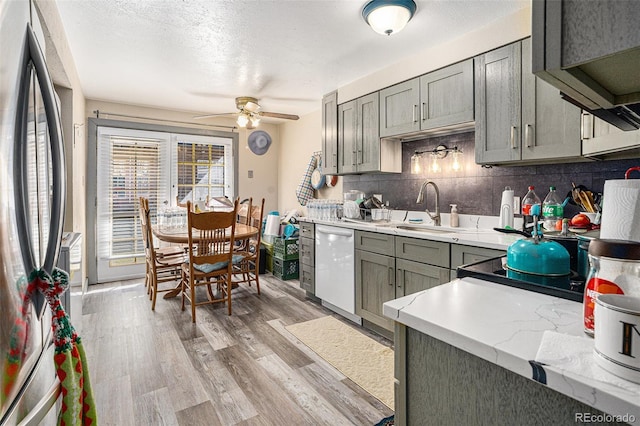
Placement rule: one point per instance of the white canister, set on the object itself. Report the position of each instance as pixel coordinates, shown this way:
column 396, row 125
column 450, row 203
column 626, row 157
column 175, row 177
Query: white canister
column 617, row 335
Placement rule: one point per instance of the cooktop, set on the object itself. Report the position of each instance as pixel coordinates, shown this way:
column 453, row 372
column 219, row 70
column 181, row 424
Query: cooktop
column 492, row 270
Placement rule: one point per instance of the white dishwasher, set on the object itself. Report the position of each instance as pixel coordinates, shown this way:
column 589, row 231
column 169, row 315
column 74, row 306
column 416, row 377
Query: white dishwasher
column 335, row 270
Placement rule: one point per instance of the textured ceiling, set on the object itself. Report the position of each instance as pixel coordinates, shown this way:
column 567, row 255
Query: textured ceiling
column 197, row 55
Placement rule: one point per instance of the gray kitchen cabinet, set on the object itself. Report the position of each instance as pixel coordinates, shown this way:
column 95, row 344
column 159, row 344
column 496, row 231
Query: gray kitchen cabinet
column 375, row 285
column 330, row 133
column 498, row 90
column 439, row 384
column 389, row 267
column 446, row 96
column 438, row 99
column 375, row 242
column 307, row 257
column 520, row 118
column 412, row 277
column 551, row 125
column 463, row 255
column 399, row 105
column 360, row 149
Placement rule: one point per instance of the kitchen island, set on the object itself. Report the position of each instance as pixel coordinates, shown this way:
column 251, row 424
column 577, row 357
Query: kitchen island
column 465, row 354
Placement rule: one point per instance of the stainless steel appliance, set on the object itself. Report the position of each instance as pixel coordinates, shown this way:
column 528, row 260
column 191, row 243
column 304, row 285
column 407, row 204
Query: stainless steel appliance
column 32, row 193
column 493, row 270
column 335, row 270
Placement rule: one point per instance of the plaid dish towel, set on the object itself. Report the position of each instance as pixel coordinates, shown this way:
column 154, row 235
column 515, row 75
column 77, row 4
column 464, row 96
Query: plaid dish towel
column 304, row 191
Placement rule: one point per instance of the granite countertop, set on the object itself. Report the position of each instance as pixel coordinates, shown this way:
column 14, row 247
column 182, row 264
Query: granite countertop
column 474, row 231
column 506, row 326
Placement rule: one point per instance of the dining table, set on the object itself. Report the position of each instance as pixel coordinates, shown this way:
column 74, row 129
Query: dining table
column 180, row 235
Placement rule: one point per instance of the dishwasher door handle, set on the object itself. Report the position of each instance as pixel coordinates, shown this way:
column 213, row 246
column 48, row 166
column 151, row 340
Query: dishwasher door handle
column 322, row 230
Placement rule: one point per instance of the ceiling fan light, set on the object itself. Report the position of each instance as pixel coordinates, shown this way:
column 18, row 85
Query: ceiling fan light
column 255, row 120
column 388, row 16
column 242, row 120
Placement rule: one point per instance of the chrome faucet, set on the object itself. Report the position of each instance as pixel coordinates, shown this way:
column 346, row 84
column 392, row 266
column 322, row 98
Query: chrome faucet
column 435, row 217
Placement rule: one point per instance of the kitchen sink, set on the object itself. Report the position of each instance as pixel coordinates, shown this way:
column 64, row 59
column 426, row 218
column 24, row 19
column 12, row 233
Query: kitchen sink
column 428, row 230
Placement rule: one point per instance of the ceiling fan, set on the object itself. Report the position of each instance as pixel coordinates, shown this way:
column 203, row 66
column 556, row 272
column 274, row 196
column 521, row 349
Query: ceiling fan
column 249, row 113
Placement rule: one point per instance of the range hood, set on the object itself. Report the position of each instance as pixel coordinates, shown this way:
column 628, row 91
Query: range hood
column 590, row 51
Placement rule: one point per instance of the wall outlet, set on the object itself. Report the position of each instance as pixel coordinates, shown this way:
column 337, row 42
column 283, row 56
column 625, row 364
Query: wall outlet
column 516, row 205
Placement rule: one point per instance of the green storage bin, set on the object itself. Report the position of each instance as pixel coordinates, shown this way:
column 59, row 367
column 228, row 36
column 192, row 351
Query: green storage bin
column 286, row 248
column 286, row 269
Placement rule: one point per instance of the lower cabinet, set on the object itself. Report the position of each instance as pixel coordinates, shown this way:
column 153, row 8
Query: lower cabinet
column 394, row 270
column 307, row 257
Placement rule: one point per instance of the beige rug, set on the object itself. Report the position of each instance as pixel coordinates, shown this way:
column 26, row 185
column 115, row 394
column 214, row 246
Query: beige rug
column 359, row 357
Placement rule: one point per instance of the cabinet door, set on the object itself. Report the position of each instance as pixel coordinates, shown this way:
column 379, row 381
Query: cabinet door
column 375, row 284
column 330, row 133
column 446, row 96
column 347, row 137
column 399, row 108
column 497, row 105
column 368, row 134
column 412, row 277
column 551, row 125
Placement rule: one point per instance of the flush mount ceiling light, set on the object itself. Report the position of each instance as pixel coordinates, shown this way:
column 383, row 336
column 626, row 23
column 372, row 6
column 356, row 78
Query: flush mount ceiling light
column 388, row 16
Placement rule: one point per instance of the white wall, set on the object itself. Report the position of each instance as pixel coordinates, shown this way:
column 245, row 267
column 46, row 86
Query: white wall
column 300, row 139
column 265, row 167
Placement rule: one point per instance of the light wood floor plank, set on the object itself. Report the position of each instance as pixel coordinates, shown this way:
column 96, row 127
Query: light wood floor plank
column 157, row 368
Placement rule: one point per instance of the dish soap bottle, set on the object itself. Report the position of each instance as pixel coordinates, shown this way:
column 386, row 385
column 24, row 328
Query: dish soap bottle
column 454, row 220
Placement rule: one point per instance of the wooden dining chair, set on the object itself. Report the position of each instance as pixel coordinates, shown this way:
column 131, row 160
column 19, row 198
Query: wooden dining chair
column 162, row 263
column 247, row 269
column 211, row 240
column 242, row 217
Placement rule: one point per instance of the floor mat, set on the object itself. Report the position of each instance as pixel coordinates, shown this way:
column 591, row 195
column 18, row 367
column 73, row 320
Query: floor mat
column 365, row 361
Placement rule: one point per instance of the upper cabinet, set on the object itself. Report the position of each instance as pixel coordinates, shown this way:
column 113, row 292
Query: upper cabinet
column 447, row 96
column 518, row 116
column 330, row 133
column 589, row 50
column 359, row 146
column 435, row 100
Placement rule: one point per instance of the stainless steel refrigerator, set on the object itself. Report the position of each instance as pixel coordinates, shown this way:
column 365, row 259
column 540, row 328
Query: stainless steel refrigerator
column 32, row 193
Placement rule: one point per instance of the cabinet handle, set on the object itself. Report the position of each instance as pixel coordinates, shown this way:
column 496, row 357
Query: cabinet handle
column 527, row 135
column 415, row 110
column 513, row 137
column 391, row 273
column 354, row 159
column 423, row 111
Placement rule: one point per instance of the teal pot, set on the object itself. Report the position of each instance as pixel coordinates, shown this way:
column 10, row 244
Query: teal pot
column 543, row 262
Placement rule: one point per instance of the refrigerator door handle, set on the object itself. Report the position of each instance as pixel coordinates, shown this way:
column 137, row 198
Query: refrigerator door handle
column 34, row 57
column 43, row 407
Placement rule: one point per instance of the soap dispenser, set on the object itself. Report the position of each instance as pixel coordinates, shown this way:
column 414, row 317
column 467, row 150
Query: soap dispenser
column 455, row 220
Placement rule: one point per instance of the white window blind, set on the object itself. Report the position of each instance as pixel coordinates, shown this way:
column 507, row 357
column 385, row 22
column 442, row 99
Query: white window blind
column 131, row 164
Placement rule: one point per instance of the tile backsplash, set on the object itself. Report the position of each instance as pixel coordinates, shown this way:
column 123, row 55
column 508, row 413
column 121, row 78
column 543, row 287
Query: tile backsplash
column 476, row 189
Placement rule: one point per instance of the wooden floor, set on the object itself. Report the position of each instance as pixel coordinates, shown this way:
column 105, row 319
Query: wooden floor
column 157, row 368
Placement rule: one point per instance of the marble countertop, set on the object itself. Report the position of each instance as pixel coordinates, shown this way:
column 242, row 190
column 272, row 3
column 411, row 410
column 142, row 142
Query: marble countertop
column 474, row 231
column 505, row 326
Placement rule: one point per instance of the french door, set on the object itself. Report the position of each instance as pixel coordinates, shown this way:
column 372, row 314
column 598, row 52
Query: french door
column 164, row 167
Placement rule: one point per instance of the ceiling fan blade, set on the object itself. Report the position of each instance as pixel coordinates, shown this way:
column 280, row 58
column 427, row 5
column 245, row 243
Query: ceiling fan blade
column 279, row 115
column 198, row 117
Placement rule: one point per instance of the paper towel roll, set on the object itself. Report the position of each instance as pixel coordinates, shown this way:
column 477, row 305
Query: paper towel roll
column 272, row 227
column 506, row 208
column 621, row 210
